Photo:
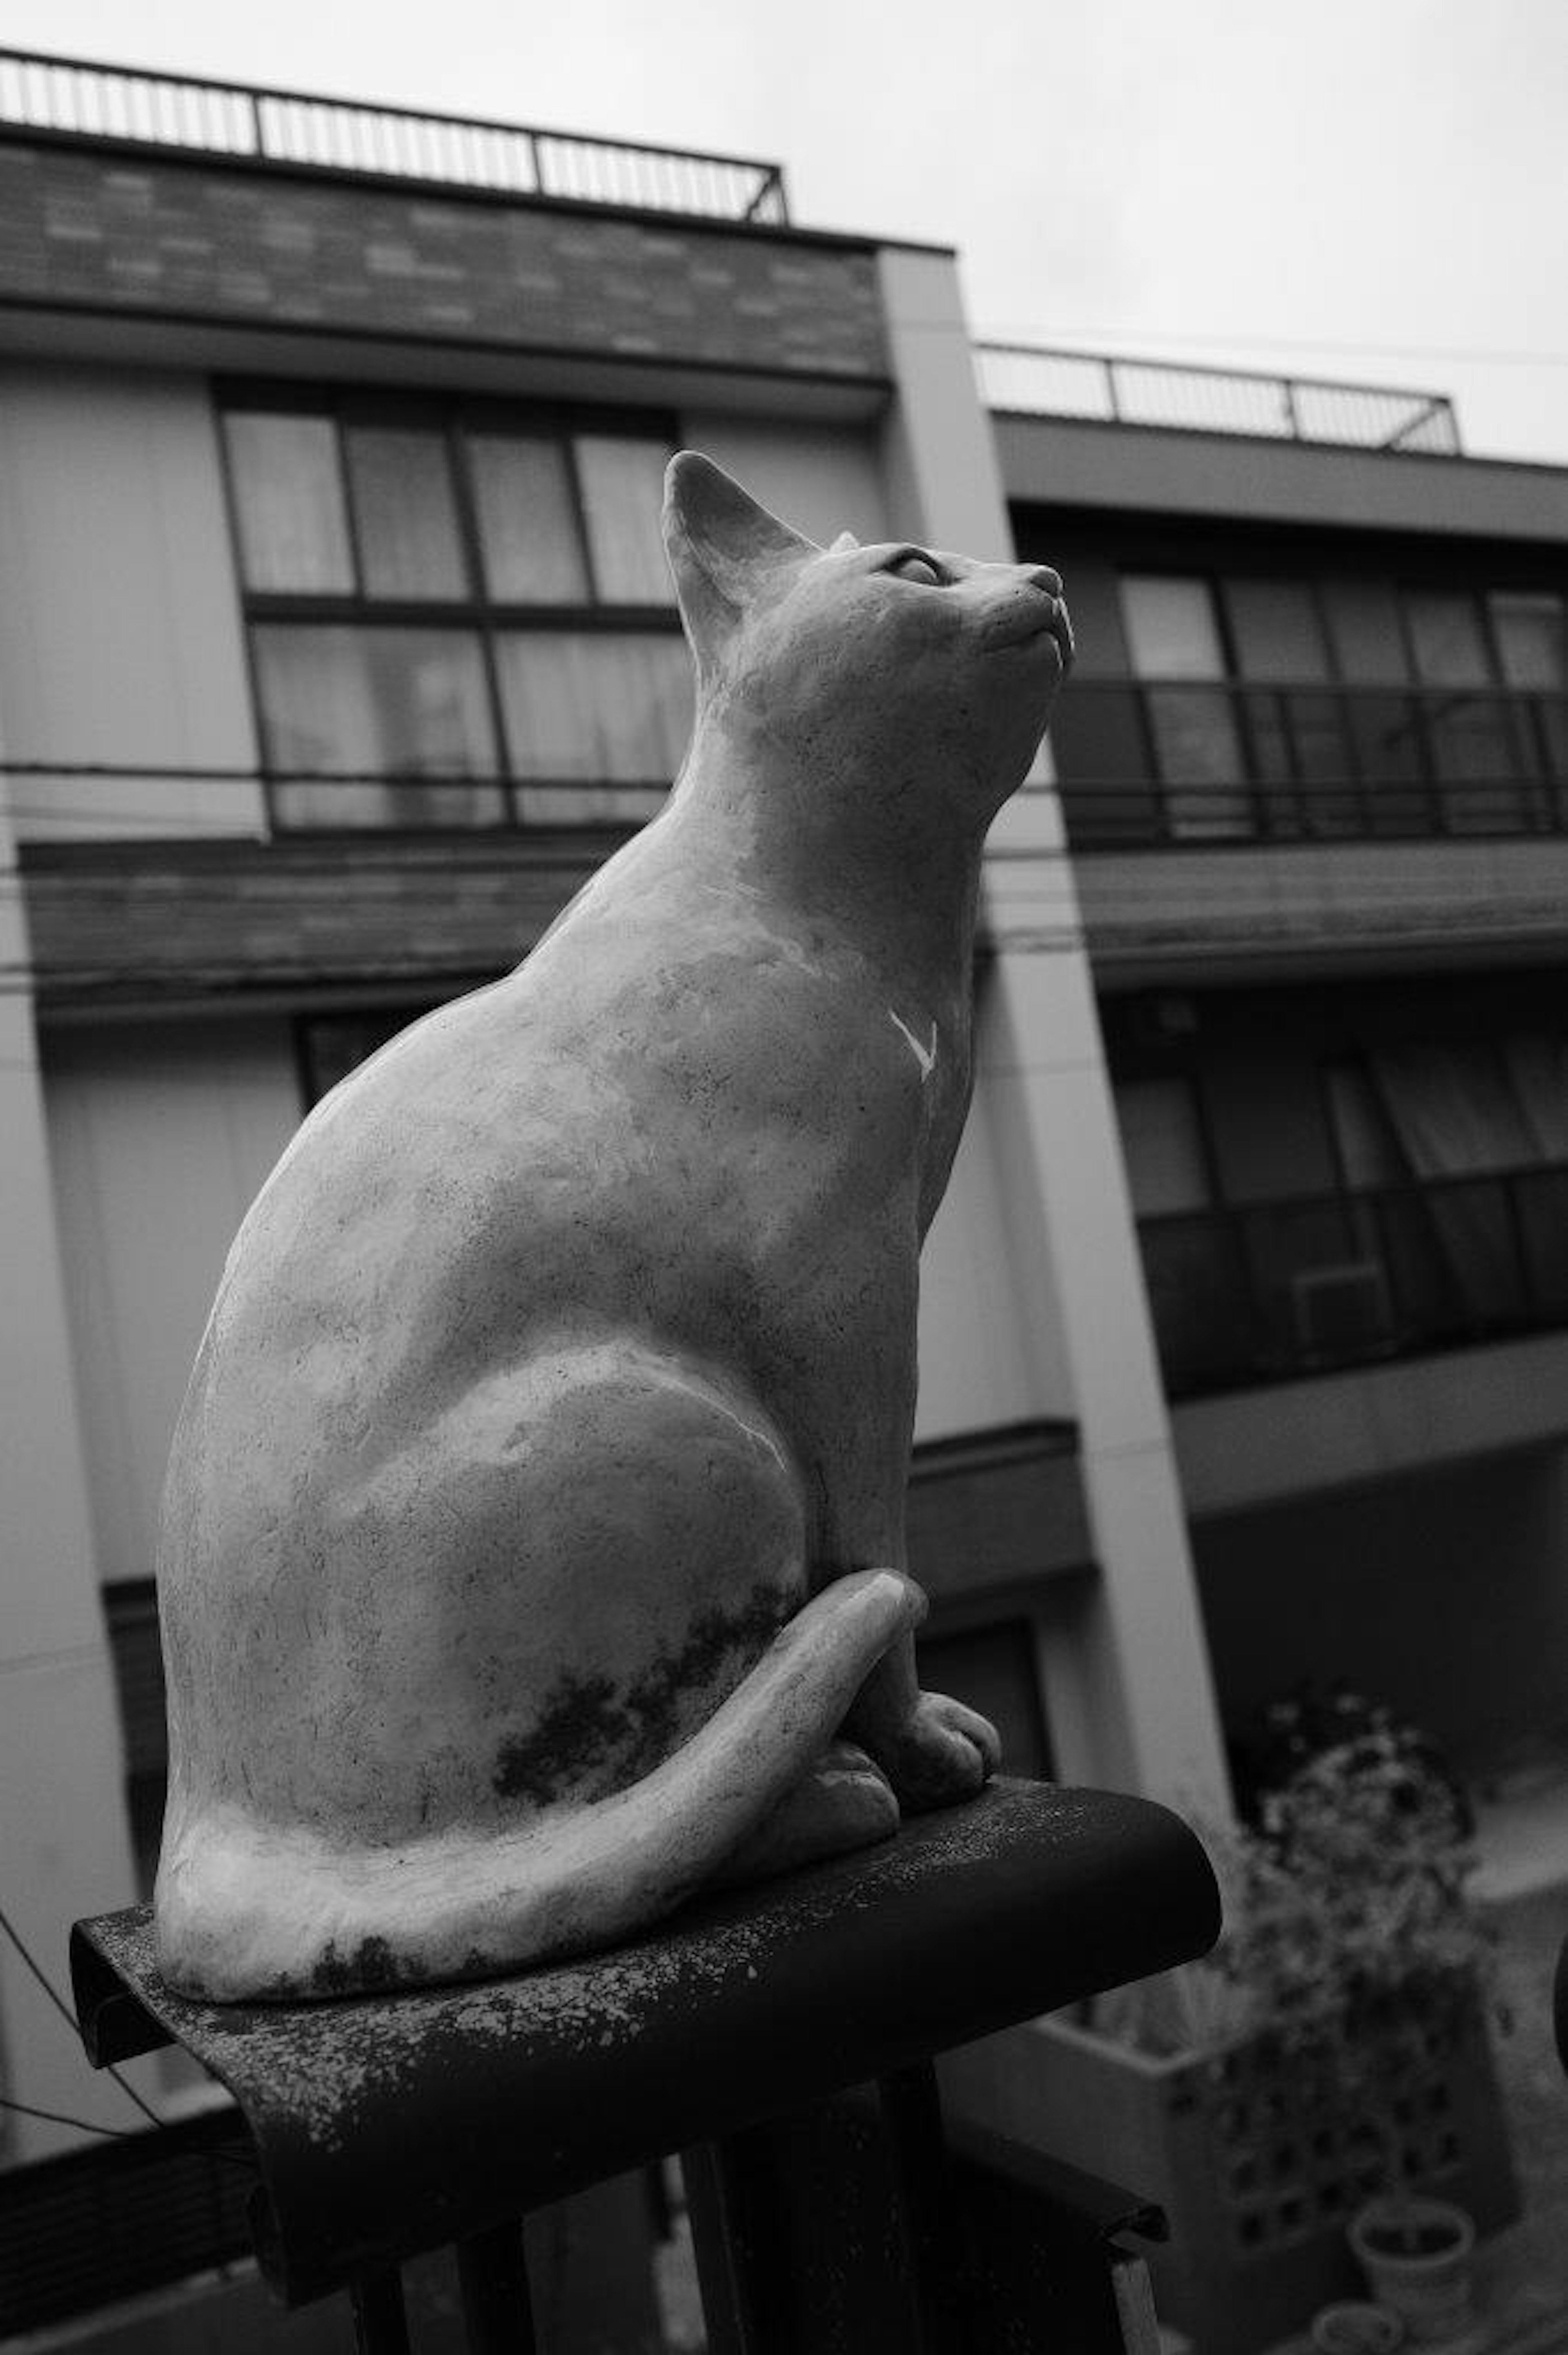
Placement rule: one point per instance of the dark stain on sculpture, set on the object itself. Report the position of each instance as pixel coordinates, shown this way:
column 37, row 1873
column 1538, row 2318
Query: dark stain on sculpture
column 370, row 1969
column 596, row 1739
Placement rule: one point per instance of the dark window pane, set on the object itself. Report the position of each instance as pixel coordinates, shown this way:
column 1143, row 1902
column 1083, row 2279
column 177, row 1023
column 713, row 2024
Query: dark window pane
column 1386, row 741
column 1196, row 1282
column 390, row 704
column 994, row 1669
column 332, row 1045
column 1172, row 632
column 1541, row 1202
column 1447, row 638
column 409, row 540
column 1198, row 754
column 288, row 504
column 527, row 521
column 623, row 498
column 1102, row 762
column 1477, row 744
column 1276, row 629
column 1364, row 631
column 1163, row 1146
column 1319, row 1283
column 613, row 708
column 1532, row 639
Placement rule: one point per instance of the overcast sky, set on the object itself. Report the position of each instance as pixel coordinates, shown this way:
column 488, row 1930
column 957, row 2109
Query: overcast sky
column 1369, row 189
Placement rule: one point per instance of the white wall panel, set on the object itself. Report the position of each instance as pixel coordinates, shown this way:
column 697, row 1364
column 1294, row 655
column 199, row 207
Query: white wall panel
column 822, row 478
column 125, row 646
column 159, row 1136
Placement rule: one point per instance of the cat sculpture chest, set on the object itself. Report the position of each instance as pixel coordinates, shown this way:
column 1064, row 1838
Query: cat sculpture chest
column 532, row 1543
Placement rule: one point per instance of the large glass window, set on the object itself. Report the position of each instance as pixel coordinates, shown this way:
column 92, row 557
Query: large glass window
column 1173, row 635
column 458, row 617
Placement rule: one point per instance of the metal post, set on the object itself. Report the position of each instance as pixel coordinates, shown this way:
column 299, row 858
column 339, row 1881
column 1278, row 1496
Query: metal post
column 380, row 2323
column 492, row 2278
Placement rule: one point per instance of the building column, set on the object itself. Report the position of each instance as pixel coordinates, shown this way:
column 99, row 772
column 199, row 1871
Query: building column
column 1149, row 1718
column 1145, row 1714
column 65, row 1847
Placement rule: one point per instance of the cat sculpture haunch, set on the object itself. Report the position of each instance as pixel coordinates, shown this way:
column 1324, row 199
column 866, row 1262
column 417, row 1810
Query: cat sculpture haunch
column 532, row 1547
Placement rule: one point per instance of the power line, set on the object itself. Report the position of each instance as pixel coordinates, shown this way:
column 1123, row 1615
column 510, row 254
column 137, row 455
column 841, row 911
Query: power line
column 56, row 2118
column 69, row 2017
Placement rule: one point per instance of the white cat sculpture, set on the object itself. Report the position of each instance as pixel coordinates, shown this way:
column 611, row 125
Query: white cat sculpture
column 535, row 1524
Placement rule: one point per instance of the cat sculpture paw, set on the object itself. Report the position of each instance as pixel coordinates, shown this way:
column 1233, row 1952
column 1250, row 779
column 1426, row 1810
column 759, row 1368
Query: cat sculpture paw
column 942, row 1752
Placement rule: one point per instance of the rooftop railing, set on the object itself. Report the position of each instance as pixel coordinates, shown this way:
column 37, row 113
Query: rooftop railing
column 1034, row 381
column 76, row 98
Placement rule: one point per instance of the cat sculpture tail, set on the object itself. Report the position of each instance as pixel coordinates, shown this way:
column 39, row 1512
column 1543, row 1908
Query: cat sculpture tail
column 247, row 1910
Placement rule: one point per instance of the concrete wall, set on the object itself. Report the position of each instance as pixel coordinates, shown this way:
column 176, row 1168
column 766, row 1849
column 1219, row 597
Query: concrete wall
column 64, row 1838
column 822, row 478
column 1128, row 1677
column 120, row 636
column 1066, row 462
column 1444, row 1591
column 1257, row 913
column 159, row 1136
column 1289, row 1439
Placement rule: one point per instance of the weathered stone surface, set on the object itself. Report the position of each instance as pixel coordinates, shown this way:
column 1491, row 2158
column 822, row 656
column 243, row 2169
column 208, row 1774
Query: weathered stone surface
column 535, row 1520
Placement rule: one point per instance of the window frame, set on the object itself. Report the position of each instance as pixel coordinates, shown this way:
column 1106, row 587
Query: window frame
column 476, row 615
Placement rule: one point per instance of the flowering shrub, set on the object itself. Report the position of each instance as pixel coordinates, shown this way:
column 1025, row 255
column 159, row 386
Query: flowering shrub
column 1351, row 1890
column 1343, row 1901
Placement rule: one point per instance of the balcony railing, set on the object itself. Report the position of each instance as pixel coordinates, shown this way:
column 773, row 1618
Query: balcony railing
column 77, row 97
column 1277, row 1290
column 1190, row 764
column 1034, row 381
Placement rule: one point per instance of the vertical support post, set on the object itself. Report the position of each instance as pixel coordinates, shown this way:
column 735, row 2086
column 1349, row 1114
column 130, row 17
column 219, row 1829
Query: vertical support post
column 380, row 2322
column 803, row 2241
column 492, row 2280
column 911, row 2114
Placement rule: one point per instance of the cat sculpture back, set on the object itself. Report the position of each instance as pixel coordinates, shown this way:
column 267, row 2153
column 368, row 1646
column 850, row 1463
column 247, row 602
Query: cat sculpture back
column 532, row 1547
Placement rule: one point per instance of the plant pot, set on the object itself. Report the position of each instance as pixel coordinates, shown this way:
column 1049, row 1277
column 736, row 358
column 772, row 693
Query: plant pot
column 1417, row 2255
column 1256, row 2178
column 1355, row 2327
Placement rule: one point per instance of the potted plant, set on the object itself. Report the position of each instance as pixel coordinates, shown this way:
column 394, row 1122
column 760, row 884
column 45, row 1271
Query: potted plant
column 1333, row 2049
column 1354, row 1913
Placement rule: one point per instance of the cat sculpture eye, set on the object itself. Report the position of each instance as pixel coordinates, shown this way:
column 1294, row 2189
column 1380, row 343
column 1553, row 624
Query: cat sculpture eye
column 923, row 569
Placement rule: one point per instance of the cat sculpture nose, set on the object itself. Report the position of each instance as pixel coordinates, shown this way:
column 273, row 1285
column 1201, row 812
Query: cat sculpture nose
column 1049, row 583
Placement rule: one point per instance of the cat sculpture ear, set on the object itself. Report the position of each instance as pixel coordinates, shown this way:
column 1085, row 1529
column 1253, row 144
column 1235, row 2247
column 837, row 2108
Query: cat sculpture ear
column 845, row 540
column 724, row 550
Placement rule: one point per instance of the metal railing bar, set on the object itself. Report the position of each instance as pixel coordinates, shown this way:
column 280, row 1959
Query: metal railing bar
column 1207, row 371
column 71, row 97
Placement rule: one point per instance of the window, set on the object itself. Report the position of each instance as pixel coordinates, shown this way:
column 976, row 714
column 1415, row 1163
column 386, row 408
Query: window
column 1173, row 633
column 1318, row 706
column 1472, row 733
column 331, row 1046
column 459, row 616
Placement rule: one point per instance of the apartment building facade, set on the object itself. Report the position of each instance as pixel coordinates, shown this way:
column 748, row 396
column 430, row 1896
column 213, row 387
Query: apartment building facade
column 1313, row 773
column 336, row 652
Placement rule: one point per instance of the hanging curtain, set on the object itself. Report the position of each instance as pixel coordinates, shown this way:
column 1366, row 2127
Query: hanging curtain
column 1538, row 1069
column 528, row 522
column 1457, row 1116
column 623, row 498
column 288, row 502
column 408, row 542
column 613, row 709
column 385, row 704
